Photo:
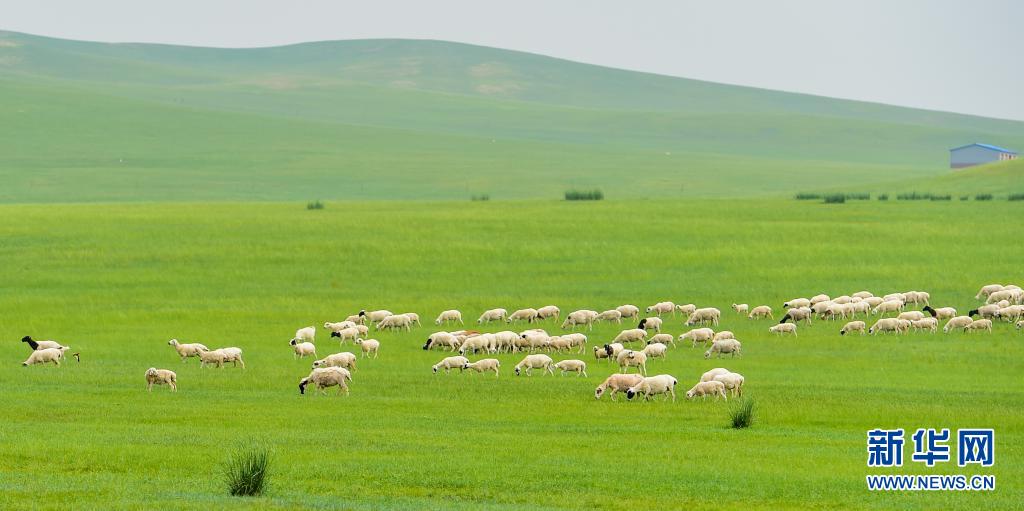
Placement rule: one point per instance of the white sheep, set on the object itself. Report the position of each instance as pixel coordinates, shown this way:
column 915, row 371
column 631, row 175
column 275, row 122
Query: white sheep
column 863, row 294
column 697, row 335
column 987, row 311
column 580, row 317
column 378, row 315
column 655, row 350
column 45, row 355
column 798, row 314
column 873, row 301
column 558, row 343
column 572, row 366
column 215, row 358
column 506, row 340
column 41, row 345
column 451, row 315
column 957, row 322
column 576, row 339
column 302, row 349
column 548, row 311
column 358, row 319
column 686, row 309
column 610, row 315
column 707, row 388
column 704, row 315
column 979, row 324
column 1010, row 295
column 733, row 382
column 156, row 376
column 306, row 334
column 653, row 323
column 854, row 326
column 741, row 308
column 492, row 315
column 1020, row 325
column 761, row 311
column 449, row 363
column 600, row 352
column 820, row 298
column 629, row 311
column 614, row 349
column 710, row 375
column 630, row 358
column 731, row 346
column 327, row 377
column 796, row 303
column 631, row 335
column 617, row 382
column 344, row 359
column 929, row 323
column 348, row 333
column 483, row 365
column 369, row 346
column 444, row 339
column 724, row 334
column 527, row 315
column 1011, row 313
column 538, row 361
column 413, row 318
column 662, row 308
column 665, row 339
column 654, row 385
column 340, row 325
column 394, row 321
column 482, row 342
column 783, row 328
column 187, row 350
column 887, row 325
column 911, row 315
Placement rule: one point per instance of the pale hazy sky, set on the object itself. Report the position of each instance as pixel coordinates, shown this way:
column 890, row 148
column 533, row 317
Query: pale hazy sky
column 963, row 56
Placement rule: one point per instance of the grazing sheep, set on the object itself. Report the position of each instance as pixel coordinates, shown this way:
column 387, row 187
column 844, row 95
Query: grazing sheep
column 650, row 324
column 654, row 385
column 796, row 303
column 344, row 359
column 863, row 294
column 482, row 342
column 843, row 300
column 957, row 322
column 600, row 352
column 710, row 375
column 887, row 306
column 985, row 311
column 156, row 376
column 346, row 333
column 492, row 315
column 537, row 361
column 610, row 315
column 655, row 350
column 724, row 334
column 444, row 339
column 215, row 358
column 929, row 323
column 631, row 335
column 341, row 325
column 327, row 377
column 698, row 335
column 733, row 382
column 941, row 312
column 617, row 382
column 1020, row 325
column 359, row 319
column 576, row 339
column 853, row 326
column 45, row 355
column 799, row 314
column 761, row 311
column 394, row 321
column 614, row 349
column 783, row 328
column 369, row 346
column 979, row 324
column 306, row 334
column 413, row 318
column 558, row 343
column 662, row 308
column 1011, row 313
column 707, row 388
column 628, row 311
column 861, row 307
column 911, row 315
column 449, row 363
column 548, row 311
column 522, row 314
column 302, row 349
column 894, row 297
column 449, row 316
column 724, row 346
column 887, row 325
column 630, row 358
column 41, row 345
column 819, row 298
column 873, row 301
column 580, row 317
column 1010, row 295
column 704, row 315
column 665, row 339
column 378, row 315
column 506, row 340
column 572, row 366
column 686, row 309
column 187, row 350
column 532, row 339
column 741, row 308
column 483, row 365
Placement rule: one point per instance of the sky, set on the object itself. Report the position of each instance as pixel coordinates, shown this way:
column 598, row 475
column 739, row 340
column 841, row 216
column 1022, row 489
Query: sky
column 960, row 56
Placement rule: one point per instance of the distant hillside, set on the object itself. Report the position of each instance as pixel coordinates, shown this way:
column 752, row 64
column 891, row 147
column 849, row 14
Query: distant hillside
column 332, row 119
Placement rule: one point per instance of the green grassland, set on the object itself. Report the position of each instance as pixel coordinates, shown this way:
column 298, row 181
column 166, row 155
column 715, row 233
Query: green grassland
column 117, row 281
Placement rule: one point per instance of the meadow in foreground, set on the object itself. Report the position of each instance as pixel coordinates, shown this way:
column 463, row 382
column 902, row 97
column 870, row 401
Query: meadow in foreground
column 117, row 281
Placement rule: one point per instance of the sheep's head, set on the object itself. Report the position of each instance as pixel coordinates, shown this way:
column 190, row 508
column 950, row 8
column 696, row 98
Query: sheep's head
column 517, row 370
column 434, row 367
column 707, row 354
column 172, row 342
column 426, row 345
column 599, row 391
column 293, row 342
column 78, row 357
column 630, row 393
column 465, row 365
column 302, row 385
column 608, row 349
column 27, row 338
column 335, row 334
column 689, row 394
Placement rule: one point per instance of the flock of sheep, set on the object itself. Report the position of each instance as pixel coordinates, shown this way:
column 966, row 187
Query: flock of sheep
column 1005, row 303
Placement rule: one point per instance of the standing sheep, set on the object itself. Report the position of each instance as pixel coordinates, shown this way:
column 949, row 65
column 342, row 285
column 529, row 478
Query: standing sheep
column 698, row 335
column 449, row 363
column 686, row 309
column 957, row 322
column 483, row 365
column 650, row 324
column 341, row 325
column 979, row 324
column 378, row 315
column 344, row 359
column 610, row 315
column 630, row 358
column 655, row 350
column 654, row 385
column 572, row 366
column 799, row 314
column 741, row 308
column 617, row 382
column 930, row 324
column 665, row 339
column 580, row 317
column 707, row 388
column 796, row 303
column 704, row 315
column 156, row 376
column 631, row 335
column 783, row 328
column 449, row 315
column 628, row 311
column 41, row 345
column 662, row 308
column 853, row 326
column 886, row 325
column 724, row 334
column 548, row 311
column 327, row 377
column 761, row 311
column 531, row 362
column 710, row 375
column 492, row 315
column 722, row 347
column 45, row 355
column 369, row 346
column 302, row 349
column 187, row 350
column 346, row 333
column 527, row 315
column 985, row 291
column 306, row 334
column 394, row 321
column 733, row 382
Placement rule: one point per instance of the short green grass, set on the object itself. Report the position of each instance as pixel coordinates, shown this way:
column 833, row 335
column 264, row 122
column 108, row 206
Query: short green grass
column 116, row 281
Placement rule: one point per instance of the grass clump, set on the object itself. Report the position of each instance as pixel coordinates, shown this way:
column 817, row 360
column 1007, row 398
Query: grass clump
column 315, row 205
column 741, row 413
column 808, row 196
column 940, row 197
column 883, row 196
column 983, row 196
column 1016, row 196
column 835, row 198
column 584, row 194
column 246, row 471
column 480, row 198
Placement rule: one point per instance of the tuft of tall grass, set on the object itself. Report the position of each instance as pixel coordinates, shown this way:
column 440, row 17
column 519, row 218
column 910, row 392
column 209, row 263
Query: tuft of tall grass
column 808, row 196
column 246, row 471
column 883, row 196
column 480, row 198
column 584, row 195
column 940, row 197
column 983, row 196
column 1016, row 196
column 835, row 198
column 741, row 413
column 315, row 205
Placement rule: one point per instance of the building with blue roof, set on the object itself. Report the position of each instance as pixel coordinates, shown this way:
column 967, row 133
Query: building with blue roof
column 977, row 154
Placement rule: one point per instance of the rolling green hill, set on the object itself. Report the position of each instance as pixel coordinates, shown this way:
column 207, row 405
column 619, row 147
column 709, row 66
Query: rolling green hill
column 399, row 119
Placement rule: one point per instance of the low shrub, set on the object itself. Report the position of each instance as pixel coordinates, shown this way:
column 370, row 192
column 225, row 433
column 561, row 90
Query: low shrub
column 983, row 196
column 836, row 198
column 741, row 413
column 1016, row 196
column 808, row 196
column 883, row 196
column 584, row 195
column 246, row 471
column 315, row 205
column 480, row 198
